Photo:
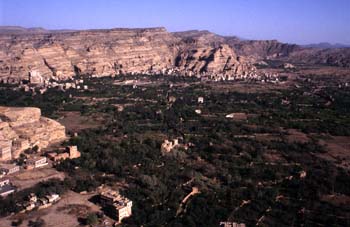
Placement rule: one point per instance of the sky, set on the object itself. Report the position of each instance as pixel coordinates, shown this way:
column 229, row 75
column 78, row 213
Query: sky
column 292, row 21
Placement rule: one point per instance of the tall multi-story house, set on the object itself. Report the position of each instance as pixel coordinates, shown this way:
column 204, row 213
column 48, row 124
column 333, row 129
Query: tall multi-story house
column 5, row 150
column 118, row 206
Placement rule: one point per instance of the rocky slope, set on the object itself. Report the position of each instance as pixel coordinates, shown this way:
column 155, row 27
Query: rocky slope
column 25, row 127
column 61, row 54
column 331, row 56
column 256, row 50
column 101, row 52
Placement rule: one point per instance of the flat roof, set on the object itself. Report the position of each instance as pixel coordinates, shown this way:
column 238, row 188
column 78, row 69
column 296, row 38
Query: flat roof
column 6, row 188
column 8, row 166
column 36, row 158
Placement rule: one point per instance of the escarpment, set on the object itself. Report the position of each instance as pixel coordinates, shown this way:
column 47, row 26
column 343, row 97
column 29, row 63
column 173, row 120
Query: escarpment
column 60, row 55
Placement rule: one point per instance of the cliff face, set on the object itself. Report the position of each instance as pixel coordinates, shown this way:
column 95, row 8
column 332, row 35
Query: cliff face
column 60, row 55
column 332, row 56
column 25, row 127
column 215, row 60
column 43, row 54
column 101, row 52
column 256, row 50
column 253, row 49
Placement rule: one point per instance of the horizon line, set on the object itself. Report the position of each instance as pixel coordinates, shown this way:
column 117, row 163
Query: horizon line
column 176, row 31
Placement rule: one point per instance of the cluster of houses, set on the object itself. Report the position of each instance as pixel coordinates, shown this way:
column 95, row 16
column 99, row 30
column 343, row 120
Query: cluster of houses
column 116, row 206
column 232, row 224
column 38, row 83
column 36, row 162
column 263, row 78
column 9, row 147
column 168, row 145
column 32, row 162
column 7, row 169
column 70, row 152
column 33, row 202
column 208, row 76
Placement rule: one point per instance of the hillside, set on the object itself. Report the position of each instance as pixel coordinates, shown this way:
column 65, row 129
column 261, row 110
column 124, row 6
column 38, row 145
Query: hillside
column 64, row 53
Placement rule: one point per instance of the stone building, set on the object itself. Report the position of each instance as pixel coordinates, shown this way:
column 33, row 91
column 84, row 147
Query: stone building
column 19, row 145
column 171, row 99
column 8, row 169
column 73, row 152
column 5, row 150
column 58, row 157
column 6, row 188
column 36, row 162
column 117, row 206
column 167, row 145
column 35, row 77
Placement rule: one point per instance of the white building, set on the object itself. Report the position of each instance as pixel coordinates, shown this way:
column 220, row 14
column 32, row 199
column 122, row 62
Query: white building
column 200, row 100
column 37, row 162
column 53, row 198
column 9, row 168
column 198, row 111
column 6, row 188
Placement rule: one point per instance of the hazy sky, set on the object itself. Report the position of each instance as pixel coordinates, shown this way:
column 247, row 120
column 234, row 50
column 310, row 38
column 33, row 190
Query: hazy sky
column 294, row 21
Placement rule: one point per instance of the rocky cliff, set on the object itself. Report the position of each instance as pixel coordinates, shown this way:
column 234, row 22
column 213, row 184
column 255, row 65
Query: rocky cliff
column 60, row 55
column 257, row 50
column 25, row 128
column 40, row 54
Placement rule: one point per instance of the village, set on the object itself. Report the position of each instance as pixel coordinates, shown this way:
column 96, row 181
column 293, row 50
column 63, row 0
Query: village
column 24, row 166
column 38, row 84
column 172, row 143
column 117, row 207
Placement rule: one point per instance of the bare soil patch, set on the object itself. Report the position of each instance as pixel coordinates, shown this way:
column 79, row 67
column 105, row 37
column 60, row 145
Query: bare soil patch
column 65, row 213
column 29, row 178
column 74, row 121
column 296, row 136
column 338, row 150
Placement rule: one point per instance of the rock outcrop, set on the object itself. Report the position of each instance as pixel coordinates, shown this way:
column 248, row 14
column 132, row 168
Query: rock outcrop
column 39, row 55
column 25, row 128
column 220, row 60
column 257, row 50
column 60, row 55
column 332, row 57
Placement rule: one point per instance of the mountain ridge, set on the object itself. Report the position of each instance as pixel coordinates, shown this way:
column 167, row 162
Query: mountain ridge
column 65, row 53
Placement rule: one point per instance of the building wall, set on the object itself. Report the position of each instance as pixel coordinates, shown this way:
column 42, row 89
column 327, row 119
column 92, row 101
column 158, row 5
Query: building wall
column 5, row 150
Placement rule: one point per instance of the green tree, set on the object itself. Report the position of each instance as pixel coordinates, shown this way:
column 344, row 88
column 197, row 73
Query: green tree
column 91, row 219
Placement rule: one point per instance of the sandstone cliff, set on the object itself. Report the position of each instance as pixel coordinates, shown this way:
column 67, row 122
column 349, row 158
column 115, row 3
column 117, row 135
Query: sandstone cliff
column 220, row 60
column 60, row 55
column 257, row 50
column 39, row 55
column 25, row 127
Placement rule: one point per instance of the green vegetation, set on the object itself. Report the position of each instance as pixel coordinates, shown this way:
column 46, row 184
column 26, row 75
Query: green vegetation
column 225, row 158
column 91, row 219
